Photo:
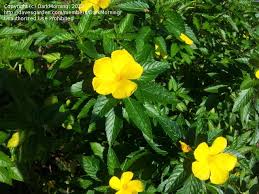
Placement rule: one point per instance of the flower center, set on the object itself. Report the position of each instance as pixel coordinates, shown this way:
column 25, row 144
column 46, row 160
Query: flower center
column 119, row 77
column 211, row 158
column 124, row 186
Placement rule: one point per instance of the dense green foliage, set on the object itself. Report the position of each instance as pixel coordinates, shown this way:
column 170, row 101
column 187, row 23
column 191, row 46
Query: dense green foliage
column 72, row 140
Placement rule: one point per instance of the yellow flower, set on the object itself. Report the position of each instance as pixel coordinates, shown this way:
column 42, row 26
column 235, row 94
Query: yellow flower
column 114, row 75
column 212, row 163
column 96, row 4
column 14, row 140
column 257, row 74
column 185, row 147
column 125, row 185
column 186, row 39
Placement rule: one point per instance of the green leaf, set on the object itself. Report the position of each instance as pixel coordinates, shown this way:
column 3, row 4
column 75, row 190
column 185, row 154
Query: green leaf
column 15, row 173
column 67, row 61
column 126, row 24
column 231, row 22
column 155, row 146
column 213, row 189
column 91, row 166
column 85, row 22
column 160, row 42
column 113, row 124
column 11, row 31
column 240, row 140
column 3, row 136
column 181, row 107
column 248, row 83
column 191, row 185
column 132, row 158
column 62, row 37
column 142, row 37
column 4, row 176
column 83, row 183
column 190, row 33
column 151, row 91
column 243, row 98
column 51, row 57
column 97, row 149
column 29, row 66
column 88, row 48
column 214, row 89
column 169, row 126
column 86, row 108
column 112, row 161
column 174, row 180
column 102, row 189
column 174, row 24
column 213, row 133
column 5, row 160
column 109, row 44
column 79, row 102
column 51, row 100
column 134, row 6
column 138, row 116
column 103, row 105
column 152, row 69
column 26, row 43
column 174, row 49
column 76, row 89
column 146, row 53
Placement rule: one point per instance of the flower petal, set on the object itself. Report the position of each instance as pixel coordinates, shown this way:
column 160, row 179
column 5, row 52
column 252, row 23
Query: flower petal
column 120, row 58
column 136, row 185
column 219, row 144
column 104, row 87
column 14, row 140
column 96, row 9
column 257, row 74
column 185, row 147
column 104, row 3
column 201, row 152
column 85, row 6
column 115, row 183
column 124, row 89
column 218, row 175
column 126, row 177
column 225, row 161
column 186, row 39
column 103, row 68
column 132, row 71
column 201, row 170
column 124, row 192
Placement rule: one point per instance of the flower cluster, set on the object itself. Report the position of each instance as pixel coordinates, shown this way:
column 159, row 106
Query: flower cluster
column 114, row 75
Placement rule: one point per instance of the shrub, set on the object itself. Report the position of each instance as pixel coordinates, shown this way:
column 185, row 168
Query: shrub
column 169, row 77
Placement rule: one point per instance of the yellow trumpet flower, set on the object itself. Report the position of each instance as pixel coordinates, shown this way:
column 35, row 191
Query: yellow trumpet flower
column 212, row 163
column 125, row 185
